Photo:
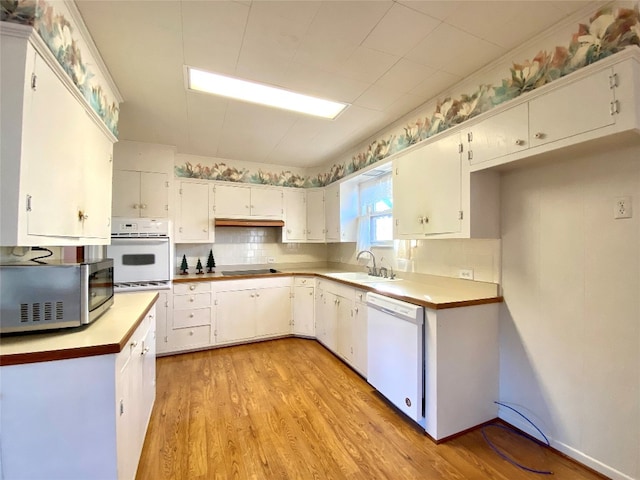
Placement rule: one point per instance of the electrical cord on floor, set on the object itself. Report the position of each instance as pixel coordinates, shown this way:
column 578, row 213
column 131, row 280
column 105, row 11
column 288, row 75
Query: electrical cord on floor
column 41, row 249
column 517, row 432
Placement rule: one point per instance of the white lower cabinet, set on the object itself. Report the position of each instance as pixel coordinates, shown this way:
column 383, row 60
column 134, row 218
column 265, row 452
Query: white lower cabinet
column 191, row 322
column 303, row 318
column 341, row 322
column 135, row 394
column 461, row 361
column 252, row 308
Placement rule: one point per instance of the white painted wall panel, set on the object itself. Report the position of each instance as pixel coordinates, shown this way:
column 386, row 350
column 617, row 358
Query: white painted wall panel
column 570, row 324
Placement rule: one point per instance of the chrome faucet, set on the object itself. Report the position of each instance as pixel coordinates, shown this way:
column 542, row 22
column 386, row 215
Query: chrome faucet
column 372, row 271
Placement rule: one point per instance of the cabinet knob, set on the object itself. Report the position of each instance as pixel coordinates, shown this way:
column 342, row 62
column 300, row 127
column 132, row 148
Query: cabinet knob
column 191, row 315
column 192, row 299
column 82, row 216
column 192, row 287
column 519, row 142
column 204, row 230
column 136, row 206
column 252, row 295
column 539, row 135
column 426, row 219
column 191, row 332
column 134, row 344
column 257, row 294
column 143, row 206
column 144, row 351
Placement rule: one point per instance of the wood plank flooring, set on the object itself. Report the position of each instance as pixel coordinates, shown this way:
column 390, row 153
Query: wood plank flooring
column 289, row 409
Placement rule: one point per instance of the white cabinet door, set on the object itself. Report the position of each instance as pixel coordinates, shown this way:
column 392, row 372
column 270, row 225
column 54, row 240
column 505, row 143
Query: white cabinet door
column 273, row 311
column 295, row 215
column 164, row 316
column 148, row 379
column 194, row 221
column 359, row 337
column 140, row 194
column 427, row 190
column 574, row 108
column 266, row 203
column 332, row 212
column 126, row 193
column 54, row 161
column 154, row 195
column 98, row 167
column 303, row 311
column 235, row 316
column 498, row 135
column 315, row 215
column 232, row 201
column 344, row 328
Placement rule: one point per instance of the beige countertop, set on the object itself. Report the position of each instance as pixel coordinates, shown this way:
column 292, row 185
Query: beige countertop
column 430, row 291
column 108, row 334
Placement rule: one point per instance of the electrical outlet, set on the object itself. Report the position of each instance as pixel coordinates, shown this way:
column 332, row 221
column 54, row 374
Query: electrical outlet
column 466, row 273
column 622, row 207
column 271, row 260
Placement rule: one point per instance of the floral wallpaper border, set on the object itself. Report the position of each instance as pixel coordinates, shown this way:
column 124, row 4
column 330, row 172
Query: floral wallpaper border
column 58, row 34
column 609, row 31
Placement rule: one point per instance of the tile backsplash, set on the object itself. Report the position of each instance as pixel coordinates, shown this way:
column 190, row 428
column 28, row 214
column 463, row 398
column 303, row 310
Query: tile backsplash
column 250, row 246
column 444, row 257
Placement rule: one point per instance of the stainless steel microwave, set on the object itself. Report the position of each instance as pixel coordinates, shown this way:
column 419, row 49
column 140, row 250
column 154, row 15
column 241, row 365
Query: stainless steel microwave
column 45, row 296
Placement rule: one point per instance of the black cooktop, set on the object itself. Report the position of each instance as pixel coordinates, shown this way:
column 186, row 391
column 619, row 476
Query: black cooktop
column 261, row 271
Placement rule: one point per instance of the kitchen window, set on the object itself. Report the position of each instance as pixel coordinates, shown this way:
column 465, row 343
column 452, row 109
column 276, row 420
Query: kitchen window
column 375, row 223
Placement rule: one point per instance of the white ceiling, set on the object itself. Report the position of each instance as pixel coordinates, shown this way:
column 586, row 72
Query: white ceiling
column 384, row 57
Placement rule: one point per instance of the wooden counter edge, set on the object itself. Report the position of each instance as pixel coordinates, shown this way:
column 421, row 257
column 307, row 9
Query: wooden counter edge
column 71, row 353
column 413, row 300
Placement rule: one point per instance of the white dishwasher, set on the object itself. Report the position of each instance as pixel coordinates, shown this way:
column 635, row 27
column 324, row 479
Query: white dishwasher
column 395, row 340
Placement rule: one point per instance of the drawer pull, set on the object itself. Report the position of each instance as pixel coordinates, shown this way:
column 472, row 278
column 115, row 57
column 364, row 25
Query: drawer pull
column 192, row 287
column 191, row 332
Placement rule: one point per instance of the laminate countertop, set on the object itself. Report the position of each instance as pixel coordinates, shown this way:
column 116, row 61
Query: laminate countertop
column 429, row 291
column 108, row 334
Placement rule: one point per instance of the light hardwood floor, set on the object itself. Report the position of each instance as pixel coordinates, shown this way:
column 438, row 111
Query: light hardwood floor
column 289, row 409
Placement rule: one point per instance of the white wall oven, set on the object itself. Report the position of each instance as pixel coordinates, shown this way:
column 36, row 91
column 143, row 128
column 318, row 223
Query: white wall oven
column 141, row 254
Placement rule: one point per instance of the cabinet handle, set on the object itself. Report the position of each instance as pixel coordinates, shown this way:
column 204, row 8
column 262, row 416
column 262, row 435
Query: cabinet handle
column 519, row 142
column 257, row 294
column 143, row 206
column 421, row 220
column 192, row 287
column 539, row 135
column 356, row 309
column 470, row 155
column 426, row 219
column 191, row 332
column 252, row 295
column 191, row 315
column 470, row 137
column 288, row 230
column 135, row 206
column 144, row 351
column 134, row 344
column 205, row 230
column 192, row 299
column 82, row 216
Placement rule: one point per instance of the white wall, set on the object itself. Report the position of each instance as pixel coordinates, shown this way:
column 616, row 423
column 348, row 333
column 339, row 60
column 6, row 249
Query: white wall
column 570, row 324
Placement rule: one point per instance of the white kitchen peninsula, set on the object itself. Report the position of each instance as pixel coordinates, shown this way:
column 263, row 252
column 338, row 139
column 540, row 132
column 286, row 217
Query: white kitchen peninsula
column 76, row 403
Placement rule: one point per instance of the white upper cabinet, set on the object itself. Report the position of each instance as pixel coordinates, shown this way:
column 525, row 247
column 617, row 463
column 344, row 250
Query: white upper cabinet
column 56, row 157
column 341, row 212
column 140, row 194
column 577, row 107
column 427, row 190
column 243, row 201
column 315, row 215
column 194, row 218
column 594, row 102
column 295, row 215
column 496, row 136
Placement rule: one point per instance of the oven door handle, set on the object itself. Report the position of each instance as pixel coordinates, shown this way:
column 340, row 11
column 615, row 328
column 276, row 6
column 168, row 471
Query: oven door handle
column 139, row 240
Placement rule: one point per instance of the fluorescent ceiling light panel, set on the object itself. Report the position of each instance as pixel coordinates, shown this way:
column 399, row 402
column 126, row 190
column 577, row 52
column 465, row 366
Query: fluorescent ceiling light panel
column 262, row 94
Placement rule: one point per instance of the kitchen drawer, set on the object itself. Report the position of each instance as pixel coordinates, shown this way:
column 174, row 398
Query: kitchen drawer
column 192, row 318
column 195, row 287
column 303, row 281
column 339, row 289
column 360, row 296
column 196, row 300
column 192, row 337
